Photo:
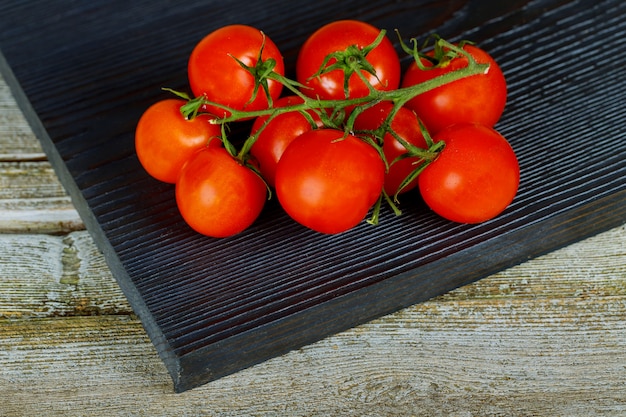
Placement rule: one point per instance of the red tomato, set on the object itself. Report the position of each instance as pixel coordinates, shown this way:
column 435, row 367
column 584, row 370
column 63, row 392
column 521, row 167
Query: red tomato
column 213, row 71
column 165, row 140
column 476, row 99
column 406, row 125
column 327, row 183
column 338, row 36
column 474, row 178
column 277, row 135
column 217, row 196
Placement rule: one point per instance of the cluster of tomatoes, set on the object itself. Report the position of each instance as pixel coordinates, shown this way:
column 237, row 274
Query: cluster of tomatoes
column 350, row 132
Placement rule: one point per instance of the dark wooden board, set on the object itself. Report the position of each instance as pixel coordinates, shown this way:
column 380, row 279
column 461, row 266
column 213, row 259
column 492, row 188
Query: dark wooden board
column 83, row 72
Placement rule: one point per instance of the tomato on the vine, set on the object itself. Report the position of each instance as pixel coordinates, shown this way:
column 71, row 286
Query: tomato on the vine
column 214, row 72
column 328, row 182
column 218, row 196
column 278, row 134
column 336, row 37
column 326, row 160
column 474, row 178
column 406, row 125
column 479, row 98
column 165, row 139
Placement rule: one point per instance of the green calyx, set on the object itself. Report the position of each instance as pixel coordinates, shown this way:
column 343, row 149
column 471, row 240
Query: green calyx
column 351, row 61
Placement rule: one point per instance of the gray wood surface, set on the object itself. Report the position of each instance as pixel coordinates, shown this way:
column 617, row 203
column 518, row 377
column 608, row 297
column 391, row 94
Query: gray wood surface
column 547, row 337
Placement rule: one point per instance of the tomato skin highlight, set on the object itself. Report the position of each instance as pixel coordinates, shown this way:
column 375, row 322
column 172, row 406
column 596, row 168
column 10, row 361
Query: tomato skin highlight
column 213, row 72
column 474, row 178
column 476, row 99
column 337, row 36
column 327, row 183
column 217, row 196
column 165, row 140
column 406, row 125
column 277, row 135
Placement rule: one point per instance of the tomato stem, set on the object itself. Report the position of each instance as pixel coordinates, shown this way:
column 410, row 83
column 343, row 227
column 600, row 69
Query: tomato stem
column 374, row 218
column 260, row 71
column 399, row 96
column 352, row 60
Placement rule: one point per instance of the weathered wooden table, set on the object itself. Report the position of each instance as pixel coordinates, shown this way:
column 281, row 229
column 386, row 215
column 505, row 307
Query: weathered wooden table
column 547, row 337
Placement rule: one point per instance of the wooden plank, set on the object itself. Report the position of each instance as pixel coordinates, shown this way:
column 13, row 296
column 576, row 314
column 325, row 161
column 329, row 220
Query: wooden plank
column 570, row 194
column 543, row 338
column 31, row 195
column 33, row 199
column 25, row 180
column 50, row 276
column 17, row 140
column 511, row 344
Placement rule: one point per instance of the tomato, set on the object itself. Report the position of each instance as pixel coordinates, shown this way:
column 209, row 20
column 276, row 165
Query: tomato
column 474, row 178
column 213, row 71
column 277, row 135
column 337, row 36
column 165, row 140
column 327, row 183
column 406, row 125
column 476, row 99
column 216, row 195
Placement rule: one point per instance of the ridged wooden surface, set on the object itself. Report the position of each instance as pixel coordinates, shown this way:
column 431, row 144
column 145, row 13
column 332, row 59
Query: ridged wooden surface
column 202, row 299
column 545, row 338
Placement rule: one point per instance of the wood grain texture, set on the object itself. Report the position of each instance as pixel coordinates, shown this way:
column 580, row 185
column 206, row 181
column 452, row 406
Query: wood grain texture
column 17, row 141
column 32, row 199
column 544, row 338
column 212, row 310
column 547, row 337
column 31, row 195
column 50, row 276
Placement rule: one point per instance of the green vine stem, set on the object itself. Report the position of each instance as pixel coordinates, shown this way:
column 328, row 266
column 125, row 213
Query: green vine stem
column 398, row 97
